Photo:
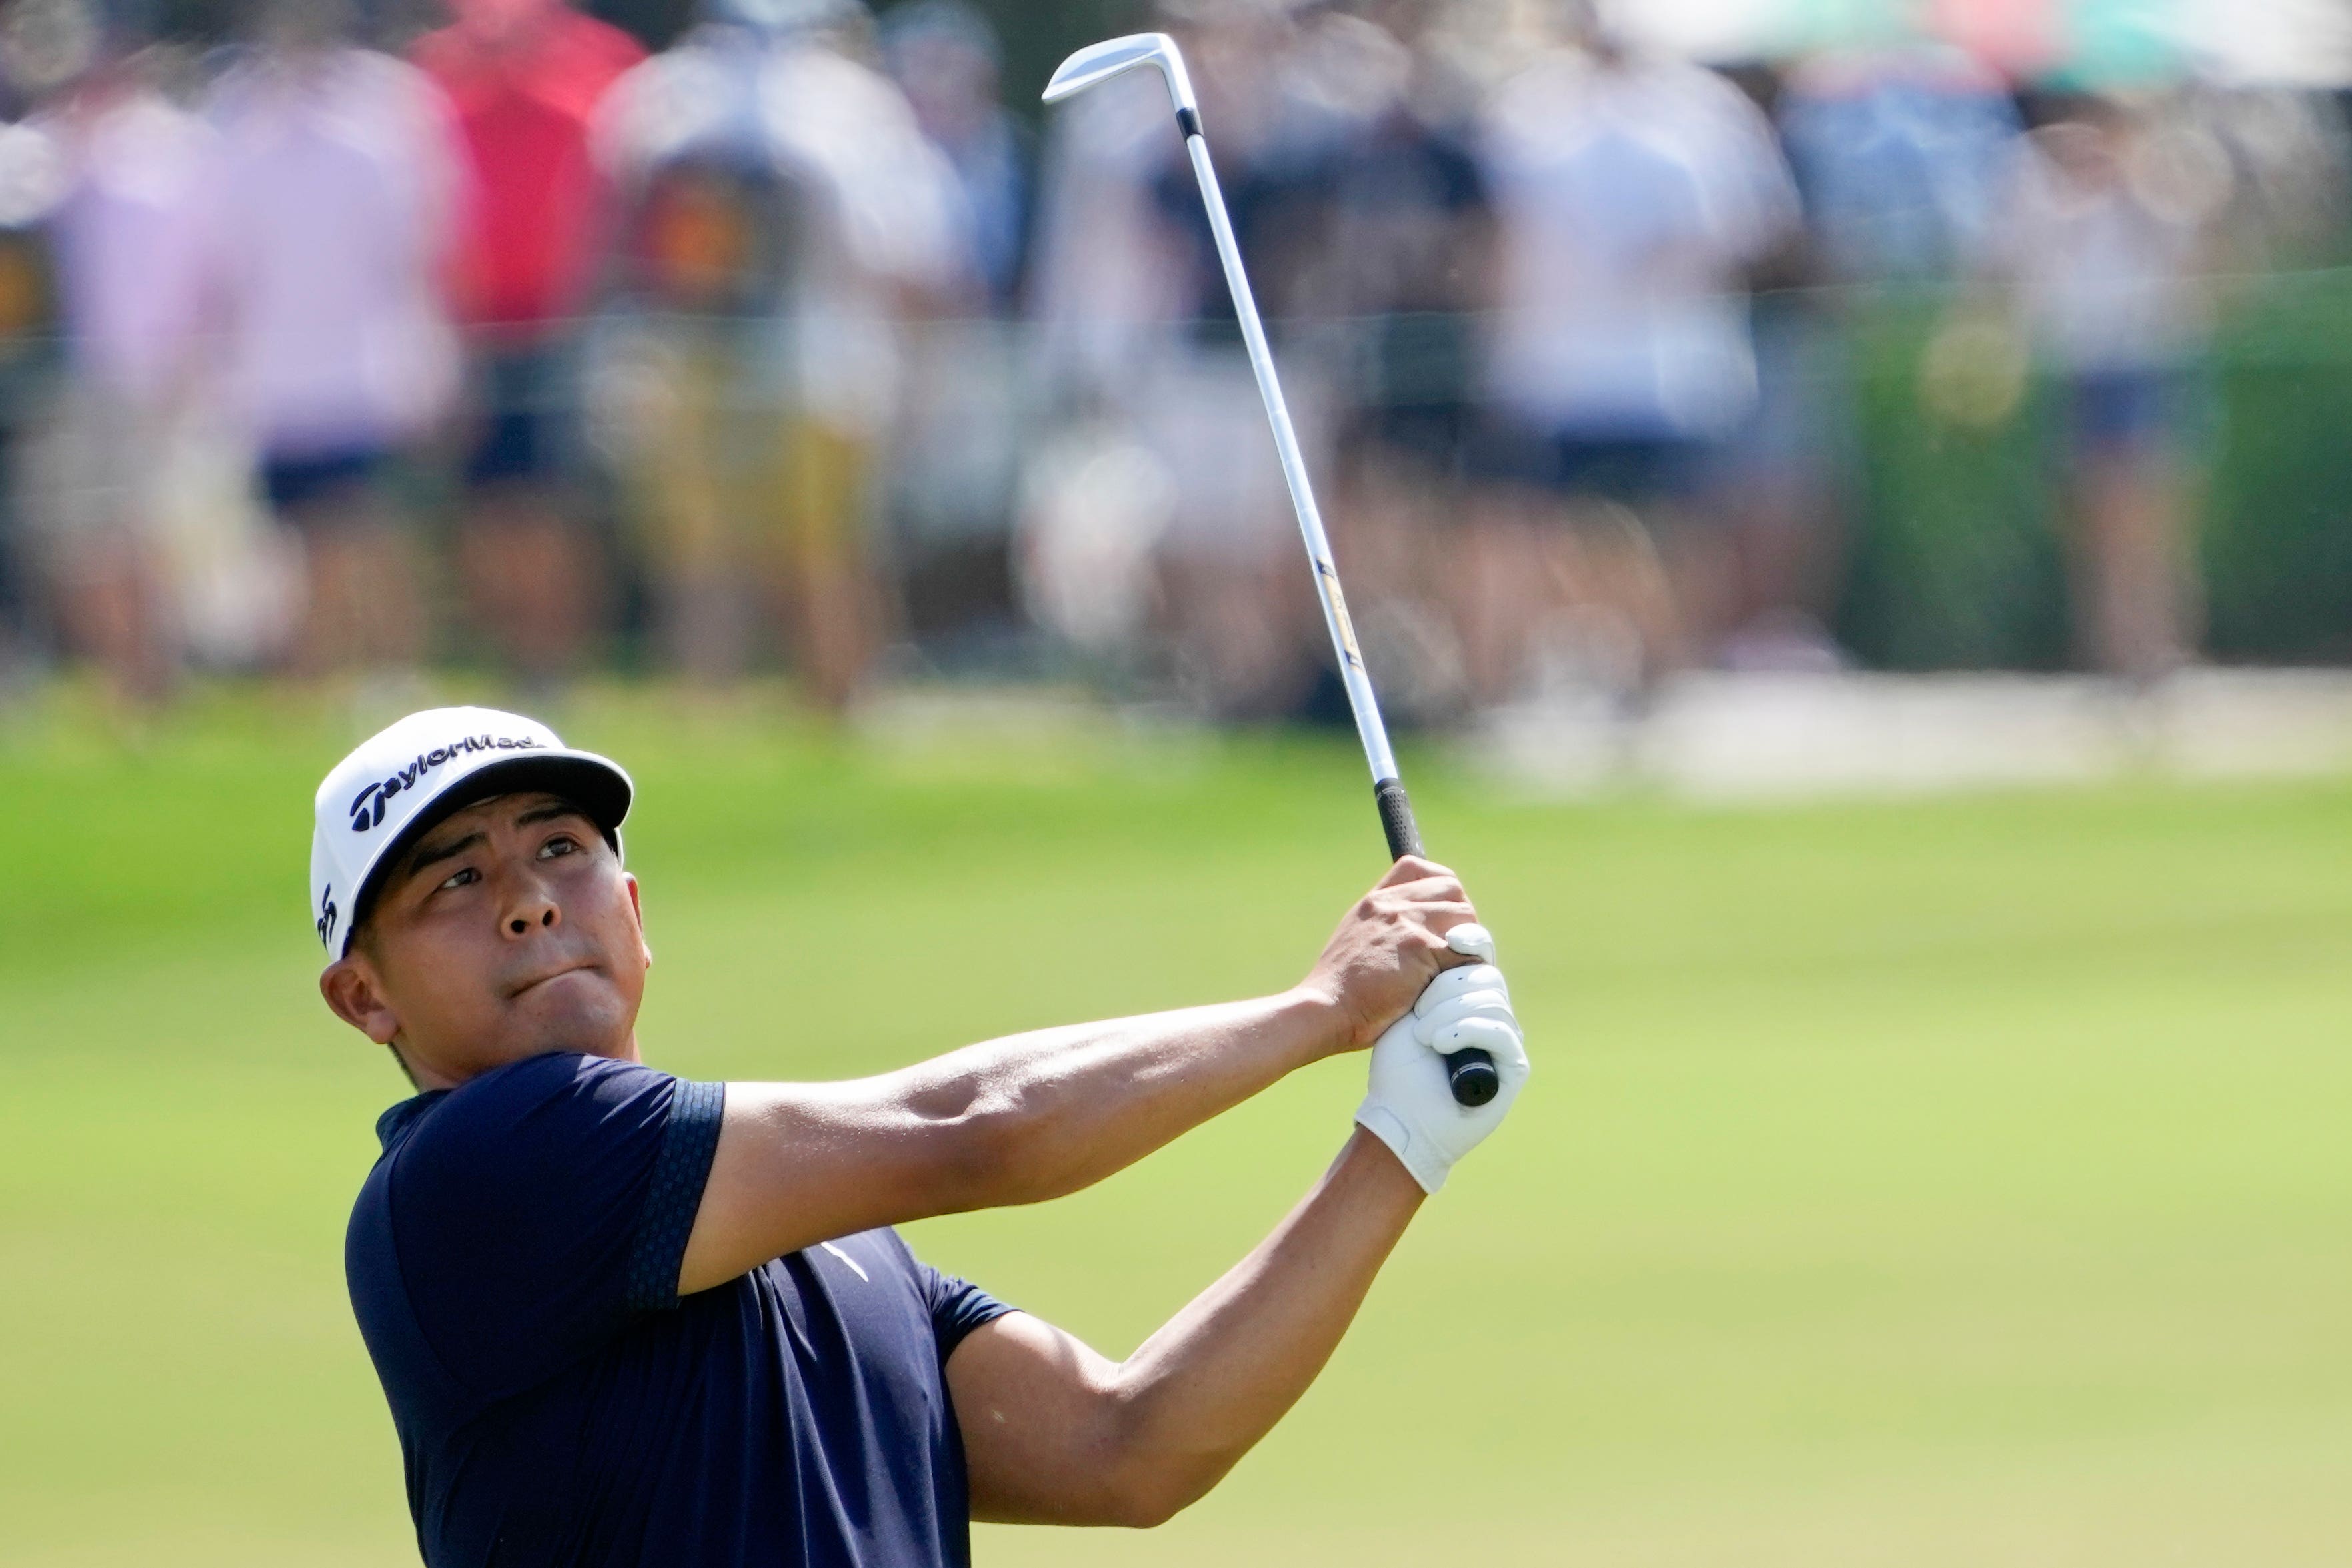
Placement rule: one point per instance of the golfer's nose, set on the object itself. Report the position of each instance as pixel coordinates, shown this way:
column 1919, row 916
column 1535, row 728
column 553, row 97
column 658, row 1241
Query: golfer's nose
column 532, row 910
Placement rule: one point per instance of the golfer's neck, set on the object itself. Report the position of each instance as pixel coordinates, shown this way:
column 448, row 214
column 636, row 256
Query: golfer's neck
column 430, row 1074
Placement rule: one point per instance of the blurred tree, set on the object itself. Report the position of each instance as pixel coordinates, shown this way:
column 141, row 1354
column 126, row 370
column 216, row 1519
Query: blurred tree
column 2278, row 535
column 1956, row 560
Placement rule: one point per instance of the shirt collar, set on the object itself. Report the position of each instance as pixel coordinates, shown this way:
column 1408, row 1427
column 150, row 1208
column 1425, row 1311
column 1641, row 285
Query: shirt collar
column 394, row 1124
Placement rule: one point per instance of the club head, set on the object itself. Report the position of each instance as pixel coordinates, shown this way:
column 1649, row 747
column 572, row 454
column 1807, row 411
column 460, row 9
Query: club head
column 1099, row 62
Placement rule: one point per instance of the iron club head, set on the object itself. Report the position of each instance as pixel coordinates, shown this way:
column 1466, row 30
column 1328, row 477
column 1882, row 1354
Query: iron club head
column 1099, row 62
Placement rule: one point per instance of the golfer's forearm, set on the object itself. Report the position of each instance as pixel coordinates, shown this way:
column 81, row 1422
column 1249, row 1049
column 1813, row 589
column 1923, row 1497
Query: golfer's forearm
column 1012, row 1121
column 1049, row 1113
column 1201, row 1392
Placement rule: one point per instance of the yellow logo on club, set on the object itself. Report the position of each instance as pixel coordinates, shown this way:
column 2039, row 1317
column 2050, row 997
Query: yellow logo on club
column 1328, row 576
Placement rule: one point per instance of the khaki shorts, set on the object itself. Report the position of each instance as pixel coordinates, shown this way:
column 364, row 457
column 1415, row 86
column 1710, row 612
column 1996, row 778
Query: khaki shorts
column 730, row 479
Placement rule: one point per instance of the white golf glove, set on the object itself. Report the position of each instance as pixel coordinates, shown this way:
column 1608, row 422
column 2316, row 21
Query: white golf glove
column 1409, row 1106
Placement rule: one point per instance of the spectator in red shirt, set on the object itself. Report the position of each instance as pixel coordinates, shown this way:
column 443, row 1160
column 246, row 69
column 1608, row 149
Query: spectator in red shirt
column 526, row 77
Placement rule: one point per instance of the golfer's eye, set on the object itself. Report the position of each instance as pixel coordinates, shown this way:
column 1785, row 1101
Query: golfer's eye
column 465, row 878
column 561, row 845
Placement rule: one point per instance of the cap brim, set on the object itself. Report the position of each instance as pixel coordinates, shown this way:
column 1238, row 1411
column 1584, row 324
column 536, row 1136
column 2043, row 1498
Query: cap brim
column 594, row 783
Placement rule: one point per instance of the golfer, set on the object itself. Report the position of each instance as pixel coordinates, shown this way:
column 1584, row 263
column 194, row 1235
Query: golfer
column 624, row 1318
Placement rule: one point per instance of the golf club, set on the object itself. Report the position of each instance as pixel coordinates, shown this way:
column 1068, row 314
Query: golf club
column 1471, row 1072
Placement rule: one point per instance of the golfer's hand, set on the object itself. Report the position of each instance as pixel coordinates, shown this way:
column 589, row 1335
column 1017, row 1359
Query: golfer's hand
column 1388, row 948
column 1410, row 1105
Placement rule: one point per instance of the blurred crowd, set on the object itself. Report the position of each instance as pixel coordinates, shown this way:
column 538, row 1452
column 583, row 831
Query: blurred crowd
column 362, row 342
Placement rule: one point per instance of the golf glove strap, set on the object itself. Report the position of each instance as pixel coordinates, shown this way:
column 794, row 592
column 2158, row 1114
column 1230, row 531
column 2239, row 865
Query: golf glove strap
column 1410, row 1105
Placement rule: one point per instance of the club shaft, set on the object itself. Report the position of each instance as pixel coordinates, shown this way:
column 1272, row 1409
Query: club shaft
column 1470, row 1071
column 1361, row 698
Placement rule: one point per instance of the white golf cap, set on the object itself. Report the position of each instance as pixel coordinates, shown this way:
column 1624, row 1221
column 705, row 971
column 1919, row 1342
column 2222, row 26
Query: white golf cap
column 397, row 784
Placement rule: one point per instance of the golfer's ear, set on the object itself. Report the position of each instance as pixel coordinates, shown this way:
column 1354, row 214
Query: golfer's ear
column 349, row 989
column 637, row 905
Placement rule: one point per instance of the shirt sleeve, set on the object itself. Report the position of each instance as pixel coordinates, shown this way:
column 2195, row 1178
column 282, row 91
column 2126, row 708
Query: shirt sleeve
column 958, row 1308
column 541, row 1206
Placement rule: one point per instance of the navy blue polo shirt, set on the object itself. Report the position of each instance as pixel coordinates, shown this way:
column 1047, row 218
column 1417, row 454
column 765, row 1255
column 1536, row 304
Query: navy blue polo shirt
column 513, row 1261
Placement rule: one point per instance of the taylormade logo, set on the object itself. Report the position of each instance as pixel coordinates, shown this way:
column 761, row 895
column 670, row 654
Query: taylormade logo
column 367, row 806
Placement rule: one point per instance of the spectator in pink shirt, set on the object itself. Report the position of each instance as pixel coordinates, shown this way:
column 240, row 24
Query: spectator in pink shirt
column 526, row 77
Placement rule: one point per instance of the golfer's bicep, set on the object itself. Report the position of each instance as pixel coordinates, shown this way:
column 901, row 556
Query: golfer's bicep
column 798, row 1163
column 1038, row 1410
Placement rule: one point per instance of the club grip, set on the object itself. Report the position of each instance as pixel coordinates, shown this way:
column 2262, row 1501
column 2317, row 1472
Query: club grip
column 1471, row 1072
column 1396, row 818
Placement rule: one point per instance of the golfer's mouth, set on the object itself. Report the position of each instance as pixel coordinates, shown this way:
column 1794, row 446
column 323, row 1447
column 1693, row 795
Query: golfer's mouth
column 550, row 978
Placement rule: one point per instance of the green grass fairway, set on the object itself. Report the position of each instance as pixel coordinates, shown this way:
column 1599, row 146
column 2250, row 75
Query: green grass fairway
column 1949, row 1183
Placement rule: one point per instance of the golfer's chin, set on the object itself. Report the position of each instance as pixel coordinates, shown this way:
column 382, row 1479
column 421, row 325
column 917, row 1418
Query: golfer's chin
column 580, row 1009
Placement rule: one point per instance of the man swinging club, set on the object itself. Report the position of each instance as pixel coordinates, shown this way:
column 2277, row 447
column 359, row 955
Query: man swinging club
column 622, row 1318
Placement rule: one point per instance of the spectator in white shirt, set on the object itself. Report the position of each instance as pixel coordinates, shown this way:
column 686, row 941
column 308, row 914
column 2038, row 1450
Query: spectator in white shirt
column 1631, row 196
column 338, row 176
column 2100, row 243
